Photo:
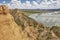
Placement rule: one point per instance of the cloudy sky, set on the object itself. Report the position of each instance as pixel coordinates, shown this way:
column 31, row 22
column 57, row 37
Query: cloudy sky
column 31, row 4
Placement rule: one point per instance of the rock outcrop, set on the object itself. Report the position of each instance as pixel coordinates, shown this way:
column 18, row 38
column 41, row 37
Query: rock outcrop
column 29, row 26
column 9, row 30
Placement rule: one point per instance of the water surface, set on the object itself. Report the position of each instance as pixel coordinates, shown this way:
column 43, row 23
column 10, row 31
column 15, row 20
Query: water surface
column 48, row 19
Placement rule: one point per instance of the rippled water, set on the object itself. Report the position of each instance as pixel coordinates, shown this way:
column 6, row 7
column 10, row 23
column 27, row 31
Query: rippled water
column 48, row 19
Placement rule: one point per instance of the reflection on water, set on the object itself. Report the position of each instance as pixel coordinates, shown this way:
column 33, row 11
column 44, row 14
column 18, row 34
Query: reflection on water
column 48, row 19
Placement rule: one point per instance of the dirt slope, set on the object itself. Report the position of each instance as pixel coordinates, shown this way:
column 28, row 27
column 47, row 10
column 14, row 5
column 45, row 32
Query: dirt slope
column 33, row 30
column 17, row 26
column 29, row 26
column 9, row 30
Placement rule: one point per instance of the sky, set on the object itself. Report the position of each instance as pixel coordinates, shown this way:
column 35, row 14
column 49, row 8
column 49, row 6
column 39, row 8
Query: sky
column 31, row 4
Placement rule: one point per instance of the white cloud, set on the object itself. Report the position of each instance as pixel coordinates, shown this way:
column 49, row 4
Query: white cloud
column 14, row 4
column 50, row 4
column 34, row 5
column 4, row 2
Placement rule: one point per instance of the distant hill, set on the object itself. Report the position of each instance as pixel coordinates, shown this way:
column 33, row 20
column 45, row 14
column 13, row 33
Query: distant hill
column 43, row 9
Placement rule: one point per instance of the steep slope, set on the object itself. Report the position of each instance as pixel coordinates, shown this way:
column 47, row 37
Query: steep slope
column 21, row 27
column 29, row 26
column 56, row 30
column 48, row 35
column 32, row 29
column 9, row 30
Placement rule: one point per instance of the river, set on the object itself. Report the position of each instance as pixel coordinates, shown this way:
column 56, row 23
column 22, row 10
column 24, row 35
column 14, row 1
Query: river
column 48, row 19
